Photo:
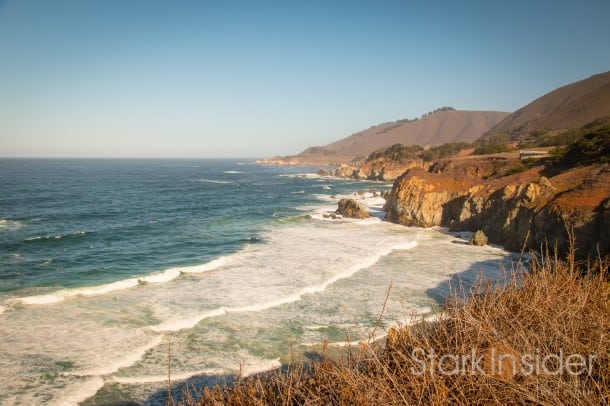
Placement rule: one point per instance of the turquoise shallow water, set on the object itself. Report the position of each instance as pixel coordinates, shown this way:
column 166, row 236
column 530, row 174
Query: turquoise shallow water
column 102, row 262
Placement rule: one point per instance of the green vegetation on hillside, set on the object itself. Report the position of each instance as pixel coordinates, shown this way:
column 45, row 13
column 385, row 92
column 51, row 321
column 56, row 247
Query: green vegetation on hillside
column 445, row 150
column 402, row 153
column 397, row 152
column 494, row 145
column 393, row 124
column 584, row 145
column 540, row 138
column 593, row 147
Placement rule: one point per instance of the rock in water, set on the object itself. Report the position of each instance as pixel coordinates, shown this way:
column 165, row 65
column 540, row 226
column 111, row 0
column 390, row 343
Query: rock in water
column 479, row 238
column 351, row 208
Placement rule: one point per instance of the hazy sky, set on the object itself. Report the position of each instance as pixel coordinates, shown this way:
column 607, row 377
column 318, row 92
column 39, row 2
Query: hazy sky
column 259, row 78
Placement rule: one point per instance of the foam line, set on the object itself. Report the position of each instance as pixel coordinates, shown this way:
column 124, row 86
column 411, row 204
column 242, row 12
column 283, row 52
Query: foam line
column 123, row 362
column 80, row 392
column 171, row 326
column 159, row 277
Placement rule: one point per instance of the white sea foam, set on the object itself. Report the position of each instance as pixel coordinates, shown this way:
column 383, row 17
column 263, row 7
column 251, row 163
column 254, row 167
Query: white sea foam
column 259, row 366
column 56, row 237
column 163, row 378
column 217, row 181
column 187, row 323
column 301, row 175
column 122, row 362
column 10, row 225
column 74, row 395
column 177, row 325
column 159, row 277
column 232, row 172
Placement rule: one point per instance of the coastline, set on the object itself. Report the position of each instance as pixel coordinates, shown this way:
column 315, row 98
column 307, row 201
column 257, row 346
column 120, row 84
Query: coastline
column 331, row 286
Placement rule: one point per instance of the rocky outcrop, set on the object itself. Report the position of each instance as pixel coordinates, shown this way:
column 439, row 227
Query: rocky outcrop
column 343, row 171
column 385, row 169
column 479, row 238
column 525, row 209
column 352, row 209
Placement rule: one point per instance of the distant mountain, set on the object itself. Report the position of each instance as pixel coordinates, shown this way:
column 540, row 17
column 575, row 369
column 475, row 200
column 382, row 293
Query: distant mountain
column 442, row 126
column 570, row 106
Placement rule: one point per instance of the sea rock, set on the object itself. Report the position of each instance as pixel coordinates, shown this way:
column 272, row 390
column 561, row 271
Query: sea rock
column 323, row 172
column 352, row 209
column 343, row 171
column 479, row 238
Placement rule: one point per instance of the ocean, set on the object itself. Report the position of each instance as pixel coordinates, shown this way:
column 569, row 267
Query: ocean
column 104, row 263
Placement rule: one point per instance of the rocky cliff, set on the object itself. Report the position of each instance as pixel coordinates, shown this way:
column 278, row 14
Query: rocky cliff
column 511, row 203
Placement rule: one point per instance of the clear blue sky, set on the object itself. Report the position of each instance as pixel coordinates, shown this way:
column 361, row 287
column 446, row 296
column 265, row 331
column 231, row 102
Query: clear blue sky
column 228, row 78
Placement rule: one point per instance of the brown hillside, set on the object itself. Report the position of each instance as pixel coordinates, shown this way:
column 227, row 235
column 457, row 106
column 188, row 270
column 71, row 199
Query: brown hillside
column 570, row 106
column 434, row 129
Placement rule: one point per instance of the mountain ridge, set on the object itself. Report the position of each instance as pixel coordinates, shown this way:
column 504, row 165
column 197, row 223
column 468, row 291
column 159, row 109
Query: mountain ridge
column 569, row 106
column 432, row 129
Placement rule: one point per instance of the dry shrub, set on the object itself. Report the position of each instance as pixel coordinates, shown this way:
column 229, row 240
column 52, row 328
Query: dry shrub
column 554, row 310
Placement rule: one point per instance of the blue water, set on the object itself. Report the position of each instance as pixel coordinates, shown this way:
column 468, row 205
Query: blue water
column 70, row 223
column 102, row 262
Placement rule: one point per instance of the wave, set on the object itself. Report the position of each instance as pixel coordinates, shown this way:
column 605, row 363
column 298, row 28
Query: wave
column 159, row 277
column 56, row 237
column 10, row 225
column 232, row 172
column 187, row 323
column 123, row 362
column 220, row 182
column 80, row 392
column 298, row 192
column 301, row 175
column 292, row 219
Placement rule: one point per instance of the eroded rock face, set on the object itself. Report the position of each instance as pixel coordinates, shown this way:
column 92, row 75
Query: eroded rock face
column 352, row 209
column 521, row 210
column 414, row 201
column 385, row 169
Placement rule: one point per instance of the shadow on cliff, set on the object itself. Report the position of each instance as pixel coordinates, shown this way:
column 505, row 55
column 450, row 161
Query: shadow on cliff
column 461, row 283
column 195, row 384
column 192, row 386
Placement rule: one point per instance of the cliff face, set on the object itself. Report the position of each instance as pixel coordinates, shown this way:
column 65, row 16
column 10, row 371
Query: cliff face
column 484, row 194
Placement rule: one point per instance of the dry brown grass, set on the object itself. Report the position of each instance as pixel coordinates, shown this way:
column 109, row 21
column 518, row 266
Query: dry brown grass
column 553, row 310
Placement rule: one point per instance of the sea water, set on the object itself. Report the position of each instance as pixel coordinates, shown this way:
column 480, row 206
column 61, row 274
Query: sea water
column 106, row 263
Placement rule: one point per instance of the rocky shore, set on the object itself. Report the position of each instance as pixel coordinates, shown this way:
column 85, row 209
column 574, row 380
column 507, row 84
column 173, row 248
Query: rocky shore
column 509, row 202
